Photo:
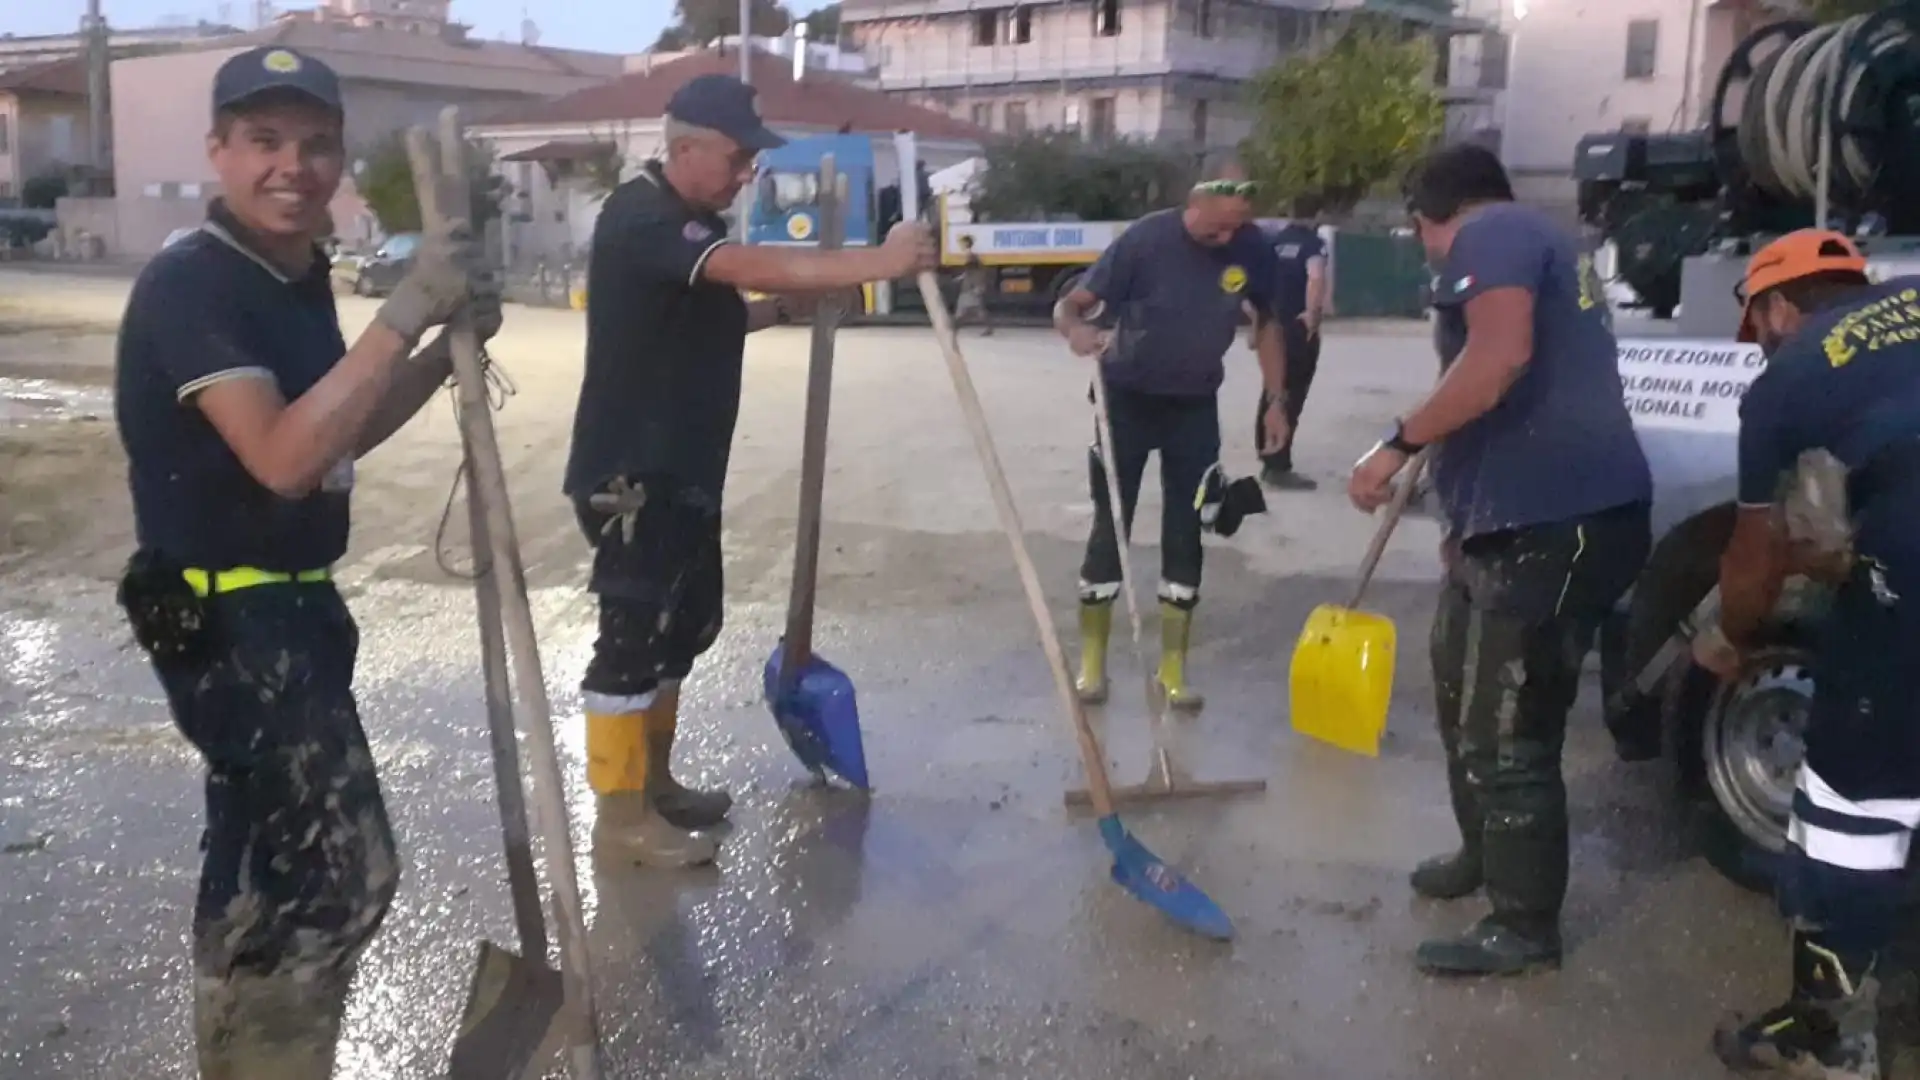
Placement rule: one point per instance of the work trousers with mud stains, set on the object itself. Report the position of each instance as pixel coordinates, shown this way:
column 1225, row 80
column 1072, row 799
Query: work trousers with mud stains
column 1303, row 360
column 1857, row 801
column 1186, row 432
column 1517, row 614
column 659, row 579
column 299, row 866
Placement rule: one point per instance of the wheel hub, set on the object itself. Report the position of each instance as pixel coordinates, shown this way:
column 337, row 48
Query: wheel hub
column 1755, row 741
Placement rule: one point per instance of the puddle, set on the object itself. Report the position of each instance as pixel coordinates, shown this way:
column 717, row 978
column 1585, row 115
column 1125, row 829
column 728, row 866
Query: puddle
column 24, row 400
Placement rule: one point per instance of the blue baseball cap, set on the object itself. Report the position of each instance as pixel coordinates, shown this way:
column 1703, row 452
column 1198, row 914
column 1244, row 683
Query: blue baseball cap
column 257, row 71
column 724, row 104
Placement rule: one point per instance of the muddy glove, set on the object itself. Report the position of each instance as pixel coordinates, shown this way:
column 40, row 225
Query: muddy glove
column 439, row 282
column 621, row 501
column 1814, row 516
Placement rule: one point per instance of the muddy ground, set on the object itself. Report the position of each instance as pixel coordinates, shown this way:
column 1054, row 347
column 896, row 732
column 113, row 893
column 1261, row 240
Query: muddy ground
column 959, row 923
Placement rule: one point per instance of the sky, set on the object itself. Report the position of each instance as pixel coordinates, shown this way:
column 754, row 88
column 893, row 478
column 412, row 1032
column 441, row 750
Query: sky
column 619, row 26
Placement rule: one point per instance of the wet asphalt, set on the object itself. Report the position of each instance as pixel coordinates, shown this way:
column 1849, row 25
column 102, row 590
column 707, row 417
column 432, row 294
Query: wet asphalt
column 959, row 922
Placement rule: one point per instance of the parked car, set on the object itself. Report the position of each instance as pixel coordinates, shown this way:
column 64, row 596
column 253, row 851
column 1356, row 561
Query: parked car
column 378, row 273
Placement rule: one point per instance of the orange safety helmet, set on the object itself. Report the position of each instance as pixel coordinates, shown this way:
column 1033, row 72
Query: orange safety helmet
column 1790, row 258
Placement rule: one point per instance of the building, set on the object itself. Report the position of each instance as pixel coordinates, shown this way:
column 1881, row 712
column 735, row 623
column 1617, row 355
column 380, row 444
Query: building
column 43, row 124
column 18, row 51
column 391, row 79
column 1555, row 70
column 1150, row 69
column 551, row 152
column 406, row 16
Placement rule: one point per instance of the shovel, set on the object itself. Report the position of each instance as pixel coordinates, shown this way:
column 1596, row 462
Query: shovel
column 813, row 701
column 519, row 1012
column 1342, row 676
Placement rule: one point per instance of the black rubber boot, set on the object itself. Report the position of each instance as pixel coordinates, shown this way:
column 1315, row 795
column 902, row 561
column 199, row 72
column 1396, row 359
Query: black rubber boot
column 1449, row 877
column 1491, row 947
column 1824, row 1031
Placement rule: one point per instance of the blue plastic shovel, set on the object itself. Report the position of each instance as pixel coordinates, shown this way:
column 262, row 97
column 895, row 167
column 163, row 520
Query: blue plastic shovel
column 813, row 701
column 1135, row 869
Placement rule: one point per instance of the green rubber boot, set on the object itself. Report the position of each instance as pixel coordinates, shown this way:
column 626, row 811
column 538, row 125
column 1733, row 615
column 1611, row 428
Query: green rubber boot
column 1176, row 630
column 1096, row 628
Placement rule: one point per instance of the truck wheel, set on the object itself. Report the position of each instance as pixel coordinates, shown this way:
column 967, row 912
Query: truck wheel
column 1751, row 745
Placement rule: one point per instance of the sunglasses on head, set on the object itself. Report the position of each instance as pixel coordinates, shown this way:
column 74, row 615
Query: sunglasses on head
column 1244, row 189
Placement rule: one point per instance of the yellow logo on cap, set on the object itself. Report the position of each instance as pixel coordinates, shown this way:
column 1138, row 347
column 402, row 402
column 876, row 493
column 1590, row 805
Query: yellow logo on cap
column 1233, row 279
column 799, row 226
column 280, row 62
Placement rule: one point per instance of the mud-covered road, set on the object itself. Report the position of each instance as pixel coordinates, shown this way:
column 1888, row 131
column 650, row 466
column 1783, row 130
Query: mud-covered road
column 958, row 925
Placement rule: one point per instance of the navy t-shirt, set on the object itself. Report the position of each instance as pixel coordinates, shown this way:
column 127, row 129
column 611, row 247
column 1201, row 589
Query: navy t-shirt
column 661, row 393
column 205, row 310
column 1174, row 303
column 1560, row 445
column 1847, row 383
column 1294, row 246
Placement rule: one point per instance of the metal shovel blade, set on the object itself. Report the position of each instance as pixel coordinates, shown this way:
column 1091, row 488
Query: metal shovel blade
column 507, row 1027
column 1158, row 885
column 818, row 715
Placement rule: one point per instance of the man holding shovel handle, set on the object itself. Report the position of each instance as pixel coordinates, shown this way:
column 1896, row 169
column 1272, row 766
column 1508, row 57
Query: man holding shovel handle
column 666, row 336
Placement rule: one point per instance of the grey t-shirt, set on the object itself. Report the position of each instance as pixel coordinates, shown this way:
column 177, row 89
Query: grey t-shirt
column 1560, row 444
column 1174, row 303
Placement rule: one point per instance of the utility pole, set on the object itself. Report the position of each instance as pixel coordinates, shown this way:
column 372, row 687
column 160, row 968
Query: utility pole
column 746, row 67
column 94, row 31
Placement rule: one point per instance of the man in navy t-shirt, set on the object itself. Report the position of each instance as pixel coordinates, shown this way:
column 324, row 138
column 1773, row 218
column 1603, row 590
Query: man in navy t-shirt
column 1299, row 300
column 1842, row 381
column 1546, row 496
column 1159, row 310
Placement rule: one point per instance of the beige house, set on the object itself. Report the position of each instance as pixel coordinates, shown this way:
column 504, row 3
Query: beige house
column 43, row 123
column 546, row 150
column 391, row 78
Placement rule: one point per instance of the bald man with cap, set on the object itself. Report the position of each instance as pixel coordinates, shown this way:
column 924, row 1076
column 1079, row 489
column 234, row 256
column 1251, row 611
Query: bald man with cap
column 1157, row 312
column 1830, row 489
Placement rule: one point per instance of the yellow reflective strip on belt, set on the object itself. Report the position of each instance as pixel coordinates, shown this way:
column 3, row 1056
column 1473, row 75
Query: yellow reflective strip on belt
column 211, row 582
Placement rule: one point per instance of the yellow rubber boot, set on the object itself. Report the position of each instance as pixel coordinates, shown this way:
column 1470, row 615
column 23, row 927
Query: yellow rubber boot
column 1096, row 628
column 685, row 807
column 1176, row 629
column 628, row 823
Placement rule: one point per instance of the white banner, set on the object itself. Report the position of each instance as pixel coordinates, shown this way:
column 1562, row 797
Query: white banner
column 1687, row 385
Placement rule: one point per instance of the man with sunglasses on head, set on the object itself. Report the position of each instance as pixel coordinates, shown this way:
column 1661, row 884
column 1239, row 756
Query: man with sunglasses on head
column 666, row 337
column 1158, row 311
column 1830, row 488
column 243, row 410
column 1545, row 497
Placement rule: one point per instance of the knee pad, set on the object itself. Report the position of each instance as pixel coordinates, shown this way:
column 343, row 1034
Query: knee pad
column 1222, row 503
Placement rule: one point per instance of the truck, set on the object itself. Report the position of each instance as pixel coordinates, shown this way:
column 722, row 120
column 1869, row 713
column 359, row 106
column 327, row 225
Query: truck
column 1685, row 212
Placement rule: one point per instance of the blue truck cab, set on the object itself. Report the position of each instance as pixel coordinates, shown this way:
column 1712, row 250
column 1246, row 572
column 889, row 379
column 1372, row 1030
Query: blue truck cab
column 786, row 198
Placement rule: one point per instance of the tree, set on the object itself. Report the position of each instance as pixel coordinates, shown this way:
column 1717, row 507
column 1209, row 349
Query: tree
column 697, row 22
column 1331, row 127
column 386, row 183
column 824, row 24
column 1057, row 174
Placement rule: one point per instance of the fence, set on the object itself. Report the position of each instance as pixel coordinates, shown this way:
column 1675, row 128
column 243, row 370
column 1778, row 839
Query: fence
column 1379, row 276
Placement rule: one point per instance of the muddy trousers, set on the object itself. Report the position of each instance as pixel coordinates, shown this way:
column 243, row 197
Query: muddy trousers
column 1516, row 616
column 1303, row 360
column 298, row 860
column 1186, row 433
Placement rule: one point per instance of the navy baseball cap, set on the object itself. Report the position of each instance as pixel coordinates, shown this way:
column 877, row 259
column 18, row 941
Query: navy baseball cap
column 724, row 104
column 272, row 68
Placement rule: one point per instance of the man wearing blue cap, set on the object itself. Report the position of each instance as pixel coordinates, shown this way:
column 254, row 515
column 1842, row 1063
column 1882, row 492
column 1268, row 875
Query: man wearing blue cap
column 242, row 410
column 666, row 334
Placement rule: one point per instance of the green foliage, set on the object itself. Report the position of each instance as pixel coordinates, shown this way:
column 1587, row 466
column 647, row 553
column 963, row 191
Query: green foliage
column 387, row 185
column 1835, row 10
column 824, row 24
column 1056, row 174
column 697, row 22
column 43, row 191
column 1330, row 127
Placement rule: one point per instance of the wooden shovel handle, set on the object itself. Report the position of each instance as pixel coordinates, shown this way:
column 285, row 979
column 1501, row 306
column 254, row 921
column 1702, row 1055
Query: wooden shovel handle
column 1397, row 506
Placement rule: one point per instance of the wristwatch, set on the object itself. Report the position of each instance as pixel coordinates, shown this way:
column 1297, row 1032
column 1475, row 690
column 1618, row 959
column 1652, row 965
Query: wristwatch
column 1397, row 440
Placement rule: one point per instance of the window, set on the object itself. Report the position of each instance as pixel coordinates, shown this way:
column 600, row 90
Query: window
column 1290, row 29
column 1106, row 18
column 1100, row 125
column 784, row 191
column 1495, row 48
column 1203, row 18
column 982, row 115
column 986, row 27
column 1636, row 125
column 6, row 143
column 1016, row 117
column 1643, row 44
column 1020, row 26
column 1200, row 122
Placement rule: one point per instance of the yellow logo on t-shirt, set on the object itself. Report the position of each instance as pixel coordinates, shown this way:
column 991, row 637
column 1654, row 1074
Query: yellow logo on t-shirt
column 1233, row 279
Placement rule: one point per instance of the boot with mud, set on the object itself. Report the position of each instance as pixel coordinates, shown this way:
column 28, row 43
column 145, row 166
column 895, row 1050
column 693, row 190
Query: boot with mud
column 1176, row 631
column 1096, row 629
column 284, row 1026
column 1824, row 1031
column 682, row 806
column 629, row 823
column 1492, row 947
column 1452, row 877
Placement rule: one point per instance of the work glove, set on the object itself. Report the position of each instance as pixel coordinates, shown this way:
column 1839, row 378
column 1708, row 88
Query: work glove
column 440, row 281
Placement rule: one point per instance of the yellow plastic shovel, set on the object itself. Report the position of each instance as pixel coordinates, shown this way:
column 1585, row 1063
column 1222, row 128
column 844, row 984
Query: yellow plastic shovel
column 1342, row 675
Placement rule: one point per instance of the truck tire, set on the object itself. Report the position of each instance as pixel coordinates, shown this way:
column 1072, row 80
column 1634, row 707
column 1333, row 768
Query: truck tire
column 1751, row 738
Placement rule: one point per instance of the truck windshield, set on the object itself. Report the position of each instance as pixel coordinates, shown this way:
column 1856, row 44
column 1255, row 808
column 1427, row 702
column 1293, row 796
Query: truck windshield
column 784, row 191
